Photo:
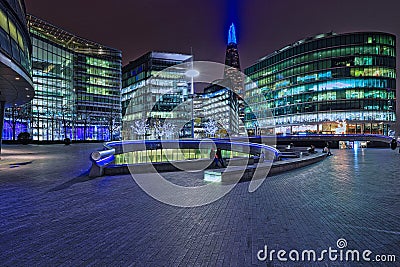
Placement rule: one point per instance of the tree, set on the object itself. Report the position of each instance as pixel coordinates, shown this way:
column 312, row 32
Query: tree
column 211, row 127
column 84, row 119
column 168, row 129
column 113, row 122
column 140, row 127
column 158, row 131
column 34, row 119
column 18, row 114
column 66, row 119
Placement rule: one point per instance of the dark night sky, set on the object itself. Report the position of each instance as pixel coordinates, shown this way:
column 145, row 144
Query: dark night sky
column 263, row 26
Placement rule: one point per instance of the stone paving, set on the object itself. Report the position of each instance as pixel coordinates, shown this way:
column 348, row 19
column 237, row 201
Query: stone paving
column 53, row 214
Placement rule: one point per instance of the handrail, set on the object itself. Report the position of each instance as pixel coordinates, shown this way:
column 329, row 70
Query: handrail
column 360, row 137
column 101, row 159
column 97, row 155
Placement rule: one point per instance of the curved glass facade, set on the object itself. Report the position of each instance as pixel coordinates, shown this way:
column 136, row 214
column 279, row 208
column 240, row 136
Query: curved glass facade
column 77, row 83
column 14, row 37
column 16, row 87
column 326, row 84
column 54, row 104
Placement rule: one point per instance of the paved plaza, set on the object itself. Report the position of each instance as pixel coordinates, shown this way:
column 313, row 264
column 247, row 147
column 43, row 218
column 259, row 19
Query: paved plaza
column 53, row 214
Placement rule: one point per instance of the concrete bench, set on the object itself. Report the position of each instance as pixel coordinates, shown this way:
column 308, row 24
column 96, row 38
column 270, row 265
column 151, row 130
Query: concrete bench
column 100, row 160
column 213, row 176
column 235, row 174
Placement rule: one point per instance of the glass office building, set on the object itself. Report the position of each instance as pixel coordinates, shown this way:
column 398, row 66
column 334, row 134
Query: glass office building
column 155, row 91
column 77, row 84
column 235, row 79
column 222, row 105
column 97, row 82
column 16, row 87
column 330, row 83
column 232, row 62
column 222, row 99
column 54, row 104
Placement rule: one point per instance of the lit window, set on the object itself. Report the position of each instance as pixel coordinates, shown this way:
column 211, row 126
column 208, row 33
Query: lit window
column 3, row 21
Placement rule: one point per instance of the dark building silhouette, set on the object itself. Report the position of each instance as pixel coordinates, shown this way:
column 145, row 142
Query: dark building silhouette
column 232, row 53
column 232, row 61
column 233, row 75
column 221, row 100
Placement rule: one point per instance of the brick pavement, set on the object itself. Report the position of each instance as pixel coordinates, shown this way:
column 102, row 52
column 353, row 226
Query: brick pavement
column 52, row 214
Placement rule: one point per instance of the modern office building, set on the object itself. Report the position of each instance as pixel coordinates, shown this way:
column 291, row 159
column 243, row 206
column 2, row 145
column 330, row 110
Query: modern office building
column 221, row 104
column 77, row 84
column 16, row 87
column 232, row 63
column 330, row 83
column 155, row 91
column 199, row 120
column 221, row 100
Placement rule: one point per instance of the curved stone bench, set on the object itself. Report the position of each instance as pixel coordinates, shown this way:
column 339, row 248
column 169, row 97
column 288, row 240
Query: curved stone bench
column 230, row 174
column 105, row 160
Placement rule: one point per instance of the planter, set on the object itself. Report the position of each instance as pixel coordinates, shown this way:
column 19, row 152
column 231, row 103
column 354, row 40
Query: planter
column 24, row 138
column 67, row 141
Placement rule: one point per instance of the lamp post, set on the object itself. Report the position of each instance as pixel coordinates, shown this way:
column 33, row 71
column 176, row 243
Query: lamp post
column 389, row 117
column 192, row 73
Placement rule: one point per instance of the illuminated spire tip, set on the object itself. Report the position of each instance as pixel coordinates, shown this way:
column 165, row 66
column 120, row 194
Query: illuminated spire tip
column 232, row 35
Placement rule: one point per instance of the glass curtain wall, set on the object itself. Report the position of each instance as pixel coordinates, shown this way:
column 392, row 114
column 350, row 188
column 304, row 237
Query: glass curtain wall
column 97, row 84
column 53, row 108
column 319, row 84
column 77, row 84
column 155, row 91
column 15, row 48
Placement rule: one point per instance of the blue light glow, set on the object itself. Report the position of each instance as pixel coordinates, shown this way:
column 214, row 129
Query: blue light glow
column 232, row 35
column 355, row 146
column 105, row 161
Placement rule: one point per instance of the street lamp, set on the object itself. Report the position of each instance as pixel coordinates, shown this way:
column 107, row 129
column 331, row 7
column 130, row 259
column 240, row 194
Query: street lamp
column 192, row 73
column 389, row 117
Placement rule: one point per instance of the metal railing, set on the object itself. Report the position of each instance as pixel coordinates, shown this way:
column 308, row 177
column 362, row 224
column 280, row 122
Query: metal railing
column 338, row 137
